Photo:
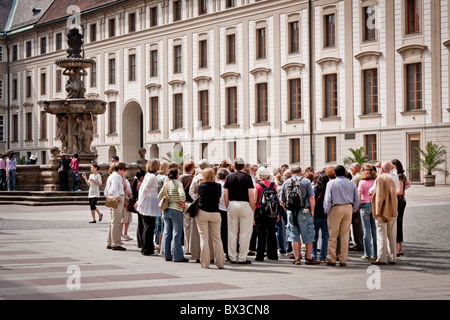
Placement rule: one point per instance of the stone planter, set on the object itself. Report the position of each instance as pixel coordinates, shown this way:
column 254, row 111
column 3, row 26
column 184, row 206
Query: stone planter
column 430, row 180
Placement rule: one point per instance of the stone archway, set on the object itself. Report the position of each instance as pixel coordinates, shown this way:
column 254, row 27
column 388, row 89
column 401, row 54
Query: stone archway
column 132, row 132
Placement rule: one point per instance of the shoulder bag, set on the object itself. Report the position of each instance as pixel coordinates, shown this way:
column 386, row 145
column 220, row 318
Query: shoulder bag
column 112, row 203
column 164, row 202
column 193, row 209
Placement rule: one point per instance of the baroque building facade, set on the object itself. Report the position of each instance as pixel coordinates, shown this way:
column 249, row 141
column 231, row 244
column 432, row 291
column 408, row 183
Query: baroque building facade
column 272, row 81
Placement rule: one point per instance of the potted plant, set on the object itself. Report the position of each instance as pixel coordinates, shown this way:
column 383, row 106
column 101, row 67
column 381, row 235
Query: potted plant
column 431, row 158
column 358, row 156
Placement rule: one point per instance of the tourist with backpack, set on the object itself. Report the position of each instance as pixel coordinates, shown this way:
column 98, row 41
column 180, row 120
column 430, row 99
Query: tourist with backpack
column 297, row 197
column 266, row 213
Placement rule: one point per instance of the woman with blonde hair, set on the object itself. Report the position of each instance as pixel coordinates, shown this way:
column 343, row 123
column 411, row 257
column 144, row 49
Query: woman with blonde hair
column 147, row 206
column 209, row 220
column 368, row 222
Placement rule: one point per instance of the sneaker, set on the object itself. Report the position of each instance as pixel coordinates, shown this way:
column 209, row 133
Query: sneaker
column 366, row 258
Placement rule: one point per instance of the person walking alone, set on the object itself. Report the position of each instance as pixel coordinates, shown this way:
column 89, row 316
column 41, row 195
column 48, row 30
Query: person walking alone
column 11, row 165
column 94, row 182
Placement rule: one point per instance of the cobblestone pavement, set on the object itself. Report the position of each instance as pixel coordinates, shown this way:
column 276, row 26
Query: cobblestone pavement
column 54, row 253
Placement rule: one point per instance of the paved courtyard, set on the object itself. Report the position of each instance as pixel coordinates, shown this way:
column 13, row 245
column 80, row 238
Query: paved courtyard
column 54, row 253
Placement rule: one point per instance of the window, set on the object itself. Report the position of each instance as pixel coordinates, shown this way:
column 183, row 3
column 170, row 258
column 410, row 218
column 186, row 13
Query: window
column 412, row 16
column 261, row 43
column 261, row 102
column 203, row 54
column 330, row 149
column 178, row 110
column 154, row 63
column 370, row 91
column 370, row 142
column 177, row 59
column 204, row 148
column 29, row 126
column 15, row 127
column 43, row 83
column 112, row 71
column 112, row 27
column 203, row 108
column 331, row 102
column 369, row 23
column 295, row 99
column 414, row 86
column 43, row 118
column 231, row 4
column 131, row 22
column 93, row 32
column 58, row 80
column 28, row 87
column 15, row 89
column 2, row 127
column 1, row 89
column 232, row 150
column 1, row 54
column 262, row 151
column 176, row 10
column 294, row 37
column 112, row 117
column 154, row 125
column 58, row 41
column 28, row 49
column 202, row 7
column 132, row 67
column 295, row 150
column 15, row 53
column 232, row 105
column 231, row 48
column 330, row 30
column 94, row 75
column 153, row 17
column 43, row 45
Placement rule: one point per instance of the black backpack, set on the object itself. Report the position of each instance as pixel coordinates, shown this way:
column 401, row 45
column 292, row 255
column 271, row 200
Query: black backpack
column 295, row 199
column 269, row 203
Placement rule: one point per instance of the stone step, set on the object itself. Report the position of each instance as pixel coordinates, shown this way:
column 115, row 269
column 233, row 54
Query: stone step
column 41, row 198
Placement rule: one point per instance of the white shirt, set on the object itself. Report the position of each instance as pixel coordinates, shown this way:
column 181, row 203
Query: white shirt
column 147, row 203
column 114, row 186
column 393, row 174
column 94, row 188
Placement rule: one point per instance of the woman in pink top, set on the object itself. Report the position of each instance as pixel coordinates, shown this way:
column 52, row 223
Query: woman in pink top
column 370, row 231
column 75, row 166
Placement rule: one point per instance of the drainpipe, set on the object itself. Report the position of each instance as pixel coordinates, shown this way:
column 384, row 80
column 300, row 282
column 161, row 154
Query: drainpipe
column 8, row 143
column 310, row 32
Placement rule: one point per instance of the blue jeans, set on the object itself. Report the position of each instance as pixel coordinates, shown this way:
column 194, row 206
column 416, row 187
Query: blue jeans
column 74, row 178
column 370, row 230
column 173, row 230
column 320, row 224
column 12, row 179
column 283, row 245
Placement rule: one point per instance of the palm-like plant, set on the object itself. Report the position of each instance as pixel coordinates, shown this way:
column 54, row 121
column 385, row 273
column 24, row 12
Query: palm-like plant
column 431, row 158
column 358, row 156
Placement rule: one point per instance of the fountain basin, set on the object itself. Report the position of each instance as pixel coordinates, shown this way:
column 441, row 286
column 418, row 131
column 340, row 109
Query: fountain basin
column 75, row 63
column 78, row 106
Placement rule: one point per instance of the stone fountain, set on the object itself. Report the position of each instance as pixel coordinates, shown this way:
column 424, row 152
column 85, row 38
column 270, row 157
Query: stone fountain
column 75, row 114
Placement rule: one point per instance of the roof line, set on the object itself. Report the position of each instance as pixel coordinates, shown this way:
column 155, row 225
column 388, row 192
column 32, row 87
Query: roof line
column 11, row 14
column 82, row 12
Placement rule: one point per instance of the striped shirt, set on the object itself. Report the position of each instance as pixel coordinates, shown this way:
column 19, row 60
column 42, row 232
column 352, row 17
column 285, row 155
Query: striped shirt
column 175, row 192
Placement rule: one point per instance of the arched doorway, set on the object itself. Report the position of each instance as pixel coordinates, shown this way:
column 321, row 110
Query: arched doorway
column 132, row 131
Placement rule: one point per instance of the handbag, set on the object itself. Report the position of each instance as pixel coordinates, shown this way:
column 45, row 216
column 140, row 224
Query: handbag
column 112, row 203
column 164, row 202
column 193, row 209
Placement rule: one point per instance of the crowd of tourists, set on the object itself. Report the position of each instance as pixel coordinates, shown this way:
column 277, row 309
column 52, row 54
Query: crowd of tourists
column 230, row 211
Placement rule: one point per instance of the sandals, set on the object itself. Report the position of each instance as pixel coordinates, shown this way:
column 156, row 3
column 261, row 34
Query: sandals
column 312, row 261
column 297, row 262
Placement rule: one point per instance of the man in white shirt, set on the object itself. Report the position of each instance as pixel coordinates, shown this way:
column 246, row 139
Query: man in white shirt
column 115, row 189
